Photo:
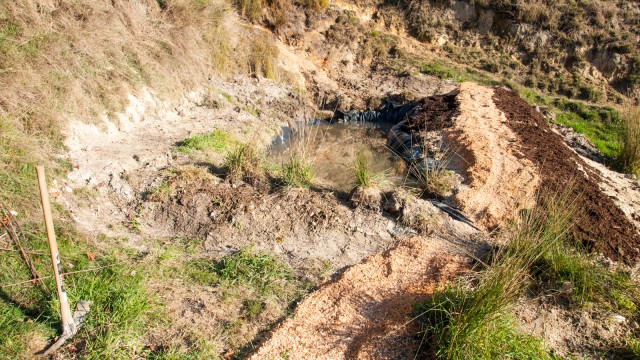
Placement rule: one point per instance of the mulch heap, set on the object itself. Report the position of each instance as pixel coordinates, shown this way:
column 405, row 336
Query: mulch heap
column 599, row 222
column 434, row 113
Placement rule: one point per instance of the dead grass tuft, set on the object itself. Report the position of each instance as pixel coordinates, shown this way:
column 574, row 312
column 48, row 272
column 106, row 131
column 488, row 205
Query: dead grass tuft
column 629, row 156
column 264, row 53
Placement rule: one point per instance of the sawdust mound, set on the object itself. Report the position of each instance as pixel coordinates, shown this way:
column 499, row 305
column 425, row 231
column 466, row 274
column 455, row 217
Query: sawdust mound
column 499, row 179
column 364, row 313
column 599, row 222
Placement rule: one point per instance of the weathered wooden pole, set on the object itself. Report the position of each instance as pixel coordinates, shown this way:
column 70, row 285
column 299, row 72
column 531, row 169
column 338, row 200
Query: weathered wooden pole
column 68, row 325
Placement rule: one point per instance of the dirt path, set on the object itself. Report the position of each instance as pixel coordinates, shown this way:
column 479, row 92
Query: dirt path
column 499, row 179
column 365, row 313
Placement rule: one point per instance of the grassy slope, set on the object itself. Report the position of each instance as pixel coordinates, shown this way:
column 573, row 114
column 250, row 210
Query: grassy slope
column 81, row 59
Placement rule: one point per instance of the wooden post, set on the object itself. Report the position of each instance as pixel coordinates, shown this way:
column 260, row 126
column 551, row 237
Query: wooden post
column 68, row 325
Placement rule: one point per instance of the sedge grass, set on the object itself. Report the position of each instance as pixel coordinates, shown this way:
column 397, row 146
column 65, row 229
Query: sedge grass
column 470, row 320
column 296, row 173
column 244, row 163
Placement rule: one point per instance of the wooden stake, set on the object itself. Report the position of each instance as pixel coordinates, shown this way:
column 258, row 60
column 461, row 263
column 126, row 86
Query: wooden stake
column 68, row 325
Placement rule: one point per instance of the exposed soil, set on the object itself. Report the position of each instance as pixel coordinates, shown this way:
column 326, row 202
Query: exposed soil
column 569, row 331
column 307, row 227
column 499, row 181
column 599, row 222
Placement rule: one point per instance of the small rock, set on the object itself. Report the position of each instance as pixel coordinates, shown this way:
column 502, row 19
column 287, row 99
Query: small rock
column 618, row 319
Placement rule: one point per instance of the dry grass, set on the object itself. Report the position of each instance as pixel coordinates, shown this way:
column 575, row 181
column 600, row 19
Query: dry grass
column 245, row 163
column 629, row 156
column 263, row 57
column 81, row 59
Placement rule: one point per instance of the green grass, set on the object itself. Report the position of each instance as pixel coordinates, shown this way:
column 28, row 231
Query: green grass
column 362, row 169
column 245, row 163
column 296, row 173
column 218, row 140
column 590, row 282
column 566, row 261
column 445, row 71
column 261, row 271
column 486, row 337
column 115, row 326
column 601, row 125
column 470, row 319
column 17, row 329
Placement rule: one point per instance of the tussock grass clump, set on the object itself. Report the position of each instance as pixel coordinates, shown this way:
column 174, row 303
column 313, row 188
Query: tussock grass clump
column 263, row 57
column 244, row 163
column 629, row 156
column 218, row 140
column 296, row 172
column 436, row 181
column 471, row 319
column 362, row 170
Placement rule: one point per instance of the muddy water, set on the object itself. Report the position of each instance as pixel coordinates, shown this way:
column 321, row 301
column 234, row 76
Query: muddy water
column 332, row 150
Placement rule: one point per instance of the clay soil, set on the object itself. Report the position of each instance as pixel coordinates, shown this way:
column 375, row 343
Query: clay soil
column 599, row 223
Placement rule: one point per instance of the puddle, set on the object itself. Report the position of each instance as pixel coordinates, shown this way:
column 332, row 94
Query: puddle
column 332, row 150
